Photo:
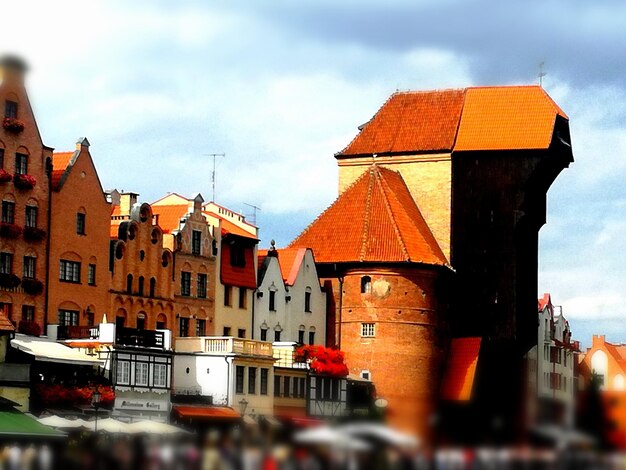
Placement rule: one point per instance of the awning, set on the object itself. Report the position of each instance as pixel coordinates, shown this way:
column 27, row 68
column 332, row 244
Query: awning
column 458, row 379
column 51, row 351
column 206, row 412
column 16, row 423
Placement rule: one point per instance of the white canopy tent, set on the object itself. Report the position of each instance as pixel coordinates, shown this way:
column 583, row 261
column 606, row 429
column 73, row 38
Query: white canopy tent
column 332, row 437
column 381, row 433
column 63, row 423
column 154, row 427
column 50, row 351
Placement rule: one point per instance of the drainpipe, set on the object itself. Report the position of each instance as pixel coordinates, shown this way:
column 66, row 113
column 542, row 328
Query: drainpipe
column 340, row 311
column 49, row 221
column 253, row 302
column 228, row 380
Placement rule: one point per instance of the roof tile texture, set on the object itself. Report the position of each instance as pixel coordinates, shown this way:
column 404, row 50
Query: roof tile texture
column 60, row 162
column 375, row 220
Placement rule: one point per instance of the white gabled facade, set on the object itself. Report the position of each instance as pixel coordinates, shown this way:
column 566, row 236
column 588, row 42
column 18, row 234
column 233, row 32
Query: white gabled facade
column 290, row 304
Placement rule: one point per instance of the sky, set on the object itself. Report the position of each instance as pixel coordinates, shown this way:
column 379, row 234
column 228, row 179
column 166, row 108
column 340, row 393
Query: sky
column 280, row 86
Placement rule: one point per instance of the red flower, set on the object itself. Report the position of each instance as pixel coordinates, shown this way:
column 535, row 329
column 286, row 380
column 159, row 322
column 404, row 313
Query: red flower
column 5, row 176
column 13, row 125
column 24, row 181
column 326, row 361
column 10, row 230
column 34, row 234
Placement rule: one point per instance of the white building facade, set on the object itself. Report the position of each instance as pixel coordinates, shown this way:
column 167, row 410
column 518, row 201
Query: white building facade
column 290, row 304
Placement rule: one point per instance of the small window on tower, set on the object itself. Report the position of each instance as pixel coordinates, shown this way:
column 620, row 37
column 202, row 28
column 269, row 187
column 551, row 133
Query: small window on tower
column 366, row 285
column 368, row 330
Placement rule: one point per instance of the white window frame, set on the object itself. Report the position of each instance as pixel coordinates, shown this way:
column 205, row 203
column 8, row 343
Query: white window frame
column 123, row 372
column 160, row 375
column 368, row 330
column 140, row 369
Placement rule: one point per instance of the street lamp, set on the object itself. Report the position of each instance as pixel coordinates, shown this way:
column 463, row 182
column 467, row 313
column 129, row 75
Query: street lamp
column 243, row 404
column 95, row 402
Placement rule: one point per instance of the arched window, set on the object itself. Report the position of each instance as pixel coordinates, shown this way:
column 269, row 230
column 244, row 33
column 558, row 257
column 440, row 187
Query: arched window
column 140, row 287
column 161, row 323
column 366, row 285
column 312, row 335
column 301, row 330
column 141, row 321
column 129, row 284
column 152, row 287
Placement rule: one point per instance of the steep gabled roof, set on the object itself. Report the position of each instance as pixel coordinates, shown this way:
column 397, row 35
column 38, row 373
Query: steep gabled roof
column 544, row 301
column 60, row 164
column 289, row 261
column 5, row 323
column 374, row 220
column 475, row 118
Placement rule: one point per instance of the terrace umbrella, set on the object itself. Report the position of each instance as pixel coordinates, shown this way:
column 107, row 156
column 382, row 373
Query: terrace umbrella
column 325, row 435
column 154, row 427
column 111, row 426
column 380, row 433
column 63, row 423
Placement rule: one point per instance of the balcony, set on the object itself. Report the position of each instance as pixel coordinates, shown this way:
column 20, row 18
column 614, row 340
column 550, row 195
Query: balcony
column 285, row 355
column 220, row 345
column 65, row 332
column 140, row 338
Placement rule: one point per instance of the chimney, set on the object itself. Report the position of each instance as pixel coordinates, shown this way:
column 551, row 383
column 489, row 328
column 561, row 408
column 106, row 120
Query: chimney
column 81, row 143
column 12, row 69
column 597, row 341
column 127, row 201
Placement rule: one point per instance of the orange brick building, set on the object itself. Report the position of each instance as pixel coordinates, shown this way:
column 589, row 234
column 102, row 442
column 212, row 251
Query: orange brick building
column 24, row 189
column 472, row 168
column 79, row 276
column 187, row 233
column 142, row 270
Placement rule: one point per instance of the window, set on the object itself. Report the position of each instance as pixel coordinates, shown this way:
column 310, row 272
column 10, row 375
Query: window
column 91, row 275
column 367, row 330
column 241, row 333
column 263, row 334
column 301, row 336
column 252, row 380
column 185, row 283
column 31, row 216
column 152, row 287
column 6, row 263
column 141, row 321
column 80, row 223
column 366, row 285
column 272, row 301
column 28, row 313
column 237, row 255
column 302, row 393
column 196, row 242
column 311, row 337
column 243, row 297
column 365, row 374
column 183, row 327
column 123, row 372
column 226, row 331
column 129, row 284
column 89, row 317
column 68, row 317
column 8, row 212
column 264, row 376
column 70, row 271
column 228, row 290
column 287, row 386
column 21, row 164
column 240, row 370
column 160, row 375
column 277, row 385
column 140, row 285
column 202, row 284
column 277, row 335
column 307, row 300
column 141, row 373
column 10, row 109
column 200, row 327
column 30, row 264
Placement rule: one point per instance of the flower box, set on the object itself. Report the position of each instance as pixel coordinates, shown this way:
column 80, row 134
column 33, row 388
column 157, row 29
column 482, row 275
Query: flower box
column 322, row 361
column 9, row 281
column 10, row 230
column 13, row 125
column 32, row 286
column 5, row 176
column 34, row 234
column 54, row 395
column 24, row 181
column 29, row 328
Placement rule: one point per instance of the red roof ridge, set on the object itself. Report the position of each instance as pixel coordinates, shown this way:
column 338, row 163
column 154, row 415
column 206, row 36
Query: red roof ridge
column 556, row 107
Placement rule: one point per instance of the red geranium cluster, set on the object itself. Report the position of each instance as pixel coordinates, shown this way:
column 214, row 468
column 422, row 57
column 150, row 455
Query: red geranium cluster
column 323, row 361
column 13, row 125
column 8, row 230
column 34, row 234
column 55, row 395
column 24, row 181
column 5, row 176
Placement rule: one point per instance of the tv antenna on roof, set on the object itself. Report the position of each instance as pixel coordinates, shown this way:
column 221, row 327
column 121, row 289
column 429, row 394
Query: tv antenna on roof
column 254, row 209
column 541, row 73
column 214, row 155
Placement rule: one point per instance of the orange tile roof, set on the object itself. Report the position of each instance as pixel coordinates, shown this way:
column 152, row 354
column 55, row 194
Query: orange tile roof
column 290, row 260
column 543, row 301
column 169, row 216
column 507, row 118
column 475, row 118
column 376, row 220
column 229, row 227
column 60, row 162
column 424, row 120
column 458, row 379
column 5, row 323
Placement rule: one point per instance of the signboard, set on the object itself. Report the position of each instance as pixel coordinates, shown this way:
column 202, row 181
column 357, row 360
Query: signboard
column 150, row 402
